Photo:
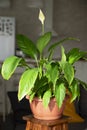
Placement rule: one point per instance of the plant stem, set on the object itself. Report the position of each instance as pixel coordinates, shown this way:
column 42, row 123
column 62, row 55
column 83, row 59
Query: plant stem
column 43, row 29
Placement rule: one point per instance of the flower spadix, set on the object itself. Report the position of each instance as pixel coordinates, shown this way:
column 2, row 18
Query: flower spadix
column 41, row 16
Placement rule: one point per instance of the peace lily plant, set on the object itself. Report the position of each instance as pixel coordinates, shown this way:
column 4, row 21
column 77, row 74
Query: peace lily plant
column 49, row 78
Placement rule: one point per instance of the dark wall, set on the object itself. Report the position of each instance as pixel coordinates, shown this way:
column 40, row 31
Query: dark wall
column 69, row 19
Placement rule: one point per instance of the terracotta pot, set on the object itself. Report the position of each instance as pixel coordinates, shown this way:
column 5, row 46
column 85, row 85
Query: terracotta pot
column 50, row 113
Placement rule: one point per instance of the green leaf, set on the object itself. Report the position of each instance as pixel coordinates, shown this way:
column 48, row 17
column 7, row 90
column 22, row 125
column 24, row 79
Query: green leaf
column 27, row 82
column 68, row 72
column 31, row 96
column 52, row 73
column 0, row 70
column 27, row 46
column 75, row 90
column 40, row 83
column 42, row 90
column 74, row 55
column 46, row 98
column 43, row 41
column 60, row 93
column 9, row 66
column 52, row 47
column 40, row 86
column 82, row 83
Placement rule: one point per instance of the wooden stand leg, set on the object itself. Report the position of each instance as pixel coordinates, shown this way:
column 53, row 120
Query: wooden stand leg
column 35, row 124
column 65, row 126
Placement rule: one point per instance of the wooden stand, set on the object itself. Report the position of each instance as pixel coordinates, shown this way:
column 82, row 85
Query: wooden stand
column 36, row 124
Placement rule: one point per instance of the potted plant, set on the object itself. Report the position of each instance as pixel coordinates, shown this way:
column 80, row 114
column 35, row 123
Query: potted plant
column 50, row 79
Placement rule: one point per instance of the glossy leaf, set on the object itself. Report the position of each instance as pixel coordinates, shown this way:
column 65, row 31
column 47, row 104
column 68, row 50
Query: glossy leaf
column 9, row 66
column 40, row 86
column 42, row 90
column 46, row 98
column 75, row 90
column 43, row 41
column 27, row 46
column 40, row 83
column 27, row 82
column 52, row 73
column 74, row 55
column 84, row 84
column 52, row 47
column 60, row 93
column 68, row 72
column 31, row 96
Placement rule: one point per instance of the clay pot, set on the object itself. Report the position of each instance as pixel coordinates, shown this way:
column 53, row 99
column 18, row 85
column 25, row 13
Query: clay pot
column 50, row 113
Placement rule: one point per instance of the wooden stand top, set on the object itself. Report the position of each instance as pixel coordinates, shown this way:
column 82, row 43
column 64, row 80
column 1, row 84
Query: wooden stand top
column 63, row 119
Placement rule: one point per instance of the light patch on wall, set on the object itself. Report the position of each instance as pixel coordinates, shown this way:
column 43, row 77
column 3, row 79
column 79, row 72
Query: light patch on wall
column 4, row 3
column 35, row 3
